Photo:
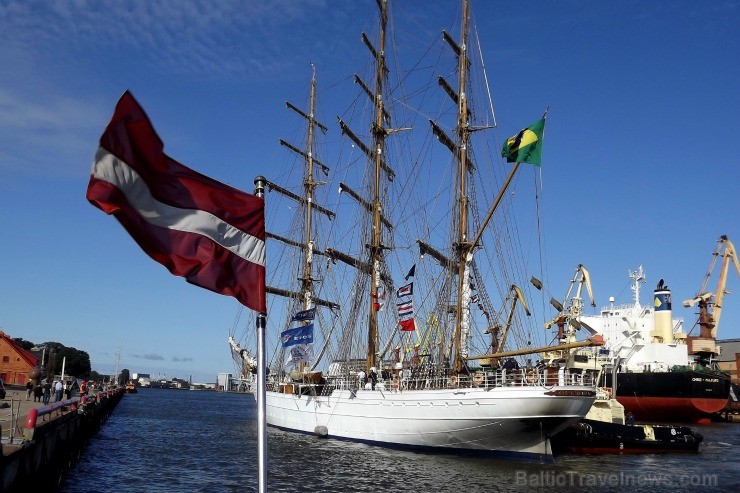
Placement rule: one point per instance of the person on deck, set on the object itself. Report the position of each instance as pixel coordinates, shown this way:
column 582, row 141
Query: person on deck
column 361, row 378
column 373, row 378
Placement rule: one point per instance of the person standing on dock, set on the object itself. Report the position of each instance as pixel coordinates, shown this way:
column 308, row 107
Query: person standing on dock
column 47, row 392
column 29, row 389
column 58, row 388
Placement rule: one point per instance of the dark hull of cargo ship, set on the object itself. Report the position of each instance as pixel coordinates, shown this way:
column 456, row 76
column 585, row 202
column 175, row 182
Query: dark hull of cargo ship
column 678, row 396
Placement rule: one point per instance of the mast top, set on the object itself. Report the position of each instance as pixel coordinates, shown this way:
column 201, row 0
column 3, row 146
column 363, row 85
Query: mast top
column 637, row 277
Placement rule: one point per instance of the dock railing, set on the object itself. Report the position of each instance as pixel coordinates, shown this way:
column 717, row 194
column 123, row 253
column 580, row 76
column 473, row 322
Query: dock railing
column 64, row 406
column 8, row 432
column 59, row 407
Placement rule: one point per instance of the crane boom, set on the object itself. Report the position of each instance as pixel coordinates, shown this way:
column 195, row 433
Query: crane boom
column 575, row 307
column 720, row 294
column 726, row 250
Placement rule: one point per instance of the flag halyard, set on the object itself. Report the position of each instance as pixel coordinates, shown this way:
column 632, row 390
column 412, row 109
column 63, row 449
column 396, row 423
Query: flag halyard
column 405, row 305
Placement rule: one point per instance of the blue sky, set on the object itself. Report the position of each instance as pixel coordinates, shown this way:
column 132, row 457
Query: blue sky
column 640, row 163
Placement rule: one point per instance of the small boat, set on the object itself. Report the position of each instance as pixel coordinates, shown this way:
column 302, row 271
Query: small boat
column 131, row 388
column 605, row 430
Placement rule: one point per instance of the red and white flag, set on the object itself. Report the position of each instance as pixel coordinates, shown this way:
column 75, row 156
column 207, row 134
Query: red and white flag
column 405, row 309
column 406, row 290
column 211, row 234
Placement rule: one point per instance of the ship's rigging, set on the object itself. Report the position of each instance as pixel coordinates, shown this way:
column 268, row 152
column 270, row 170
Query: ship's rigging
column 388, row 350
column 458, row 299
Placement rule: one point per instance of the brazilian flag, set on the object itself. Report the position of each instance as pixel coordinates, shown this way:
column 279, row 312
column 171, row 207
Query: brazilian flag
column 525, row 146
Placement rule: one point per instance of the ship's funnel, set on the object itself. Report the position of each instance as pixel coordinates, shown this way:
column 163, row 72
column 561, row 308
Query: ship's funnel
column 662, row 315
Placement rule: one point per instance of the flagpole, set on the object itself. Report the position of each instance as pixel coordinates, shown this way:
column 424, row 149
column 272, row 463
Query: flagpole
column 494, row 206
column 259, row 191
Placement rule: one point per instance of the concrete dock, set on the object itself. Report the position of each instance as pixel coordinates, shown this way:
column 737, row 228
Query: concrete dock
column 17, row 406
column 40, row 443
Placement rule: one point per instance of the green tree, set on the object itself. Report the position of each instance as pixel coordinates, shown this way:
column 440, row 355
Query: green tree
column 94, row 376
column 77, row 362
column 124, row 377
column 27, row 345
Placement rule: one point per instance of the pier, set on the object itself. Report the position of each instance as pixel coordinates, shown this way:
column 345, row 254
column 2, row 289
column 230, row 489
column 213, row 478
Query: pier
column 40, row 443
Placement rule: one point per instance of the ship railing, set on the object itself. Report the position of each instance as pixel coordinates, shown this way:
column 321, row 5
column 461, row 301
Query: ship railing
column 488, row 379
column 505, row 378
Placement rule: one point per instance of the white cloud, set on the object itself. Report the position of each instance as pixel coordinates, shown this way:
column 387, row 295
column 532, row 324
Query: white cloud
column 215, row 39
column 64, row 58
column 38, row 134
column 154, row 357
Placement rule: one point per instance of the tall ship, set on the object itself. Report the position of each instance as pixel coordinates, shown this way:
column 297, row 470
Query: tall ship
column 655, row 370
column 383, row 322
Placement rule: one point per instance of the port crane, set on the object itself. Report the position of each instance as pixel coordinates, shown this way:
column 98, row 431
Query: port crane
column 575, row 307
column 710, row 303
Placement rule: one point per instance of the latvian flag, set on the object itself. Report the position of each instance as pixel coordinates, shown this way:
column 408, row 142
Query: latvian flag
column 405, row 309
column 211, row 234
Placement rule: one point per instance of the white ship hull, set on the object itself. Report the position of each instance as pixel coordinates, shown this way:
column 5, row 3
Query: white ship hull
column 508, row 421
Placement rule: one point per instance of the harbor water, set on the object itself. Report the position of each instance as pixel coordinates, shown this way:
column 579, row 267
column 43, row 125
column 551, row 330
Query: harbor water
column 200, row 441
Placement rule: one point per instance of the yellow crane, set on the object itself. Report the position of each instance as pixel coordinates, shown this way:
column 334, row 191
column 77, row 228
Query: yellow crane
column 710, row 304
column 575, row 305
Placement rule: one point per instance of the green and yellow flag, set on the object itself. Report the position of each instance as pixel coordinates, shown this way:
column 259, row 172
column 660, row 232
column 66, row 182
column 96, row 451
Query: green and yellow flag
column 525, row 146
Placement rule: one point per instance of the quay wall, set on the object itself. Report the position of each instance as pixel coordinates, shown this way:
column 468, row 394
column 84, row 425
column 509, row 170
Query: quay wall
column 54, row 439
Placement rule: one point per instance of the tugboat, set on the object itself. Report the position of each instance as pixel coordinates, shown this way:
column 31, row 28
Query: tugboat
column 606, row 430
column 131, row 388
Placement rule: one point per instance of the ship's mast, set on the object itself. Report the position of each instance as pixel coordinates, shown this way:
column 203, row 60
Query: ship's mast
column 464, row 250
column 379, row 133
column 465, row 244
column 637, row 277
column 375, row 154
column 308, row 300
column 310, row 185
